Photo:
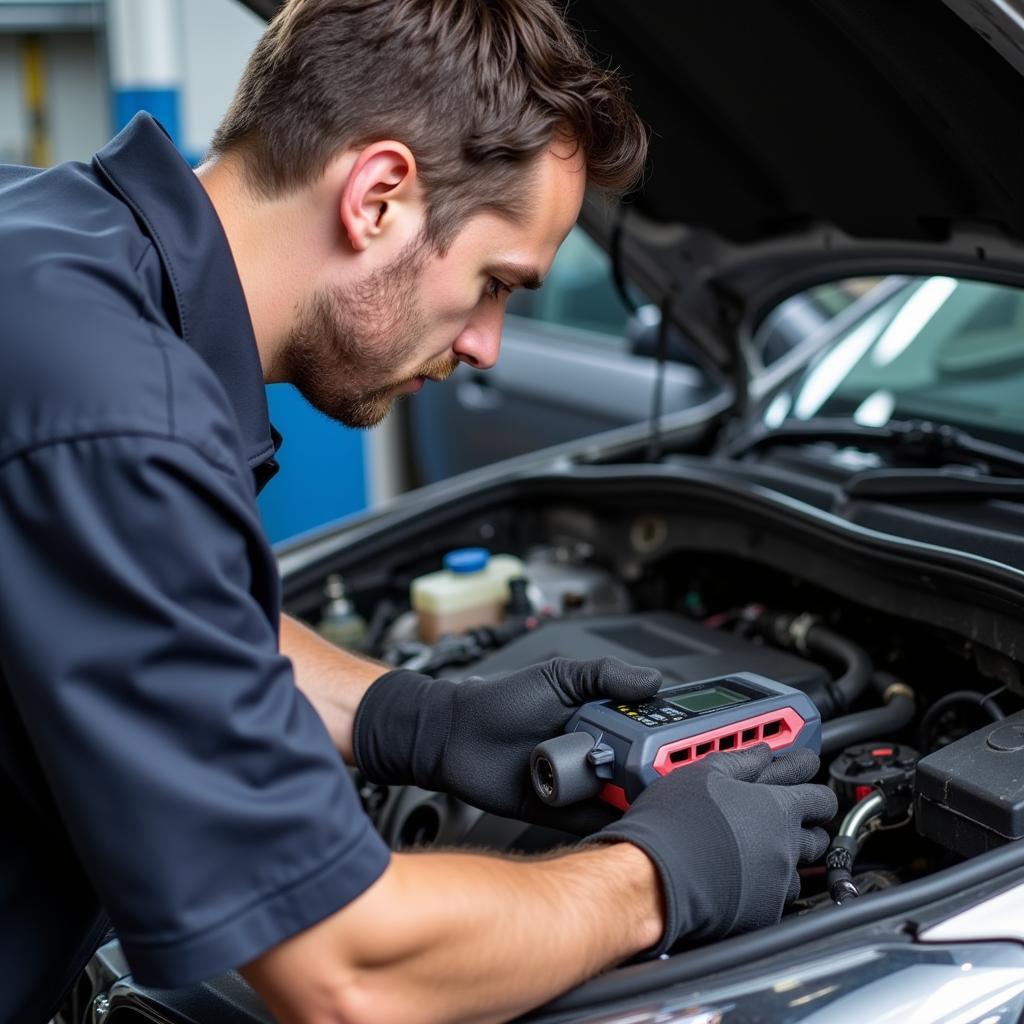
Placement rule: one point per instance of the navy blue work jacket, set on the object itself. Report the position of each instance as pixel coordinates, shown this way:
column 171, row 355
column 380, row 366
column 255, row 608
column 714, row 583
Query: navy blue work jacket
column 157, row 763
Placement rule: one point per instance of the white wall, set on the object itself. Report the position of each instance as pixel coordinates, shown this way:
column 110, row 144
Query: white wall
column 217, row 37
column 77, row 98
column 12, row 117
column 79, row 104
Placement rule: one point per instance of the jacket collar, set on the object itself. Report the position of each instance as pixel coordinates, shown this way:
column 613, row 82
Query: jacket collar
column 155, row 181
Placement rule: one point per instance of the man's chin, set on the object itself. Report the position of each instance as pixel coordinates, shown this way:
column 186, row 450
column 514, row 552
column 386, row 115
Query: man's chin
column 370, row 416
column 370, row 411
column 361, row 415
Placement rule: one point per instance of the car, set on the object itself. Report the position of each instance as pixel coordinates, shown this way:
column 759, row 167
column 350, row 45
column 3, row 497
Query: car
column 845, row 518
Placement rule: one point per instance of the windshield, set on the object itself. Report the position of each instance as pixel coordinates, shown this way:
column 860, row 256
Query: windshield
column 940, row 349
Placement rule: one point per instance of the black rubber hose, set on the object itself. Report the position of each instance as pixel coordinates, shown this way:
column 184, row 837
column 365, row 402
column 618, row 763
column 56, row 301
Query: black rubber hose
column 853, row 682
column 806, row 635
column 984, row 701
column 863, row 725
column 876, row 723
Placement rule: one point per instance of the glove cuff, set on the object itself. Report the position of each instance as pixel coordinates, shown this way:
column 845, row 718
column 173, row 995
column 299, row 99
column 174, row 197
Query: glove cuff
column 401, row 728
column 673, row 926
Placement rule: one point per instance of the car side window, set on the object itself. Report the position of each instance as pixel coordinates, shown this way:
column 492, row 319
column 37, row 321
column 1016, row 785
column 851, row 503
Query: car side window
column 578, row 292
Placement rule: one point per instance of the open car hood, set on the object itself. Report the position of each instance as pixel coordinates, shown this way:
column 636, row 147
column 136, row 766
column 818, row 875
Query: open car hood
column 807, row 140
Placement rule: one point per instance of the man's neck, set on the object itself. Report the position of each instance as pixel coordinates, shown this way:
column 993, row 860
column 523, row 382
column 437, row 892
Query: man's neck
column 271, row 269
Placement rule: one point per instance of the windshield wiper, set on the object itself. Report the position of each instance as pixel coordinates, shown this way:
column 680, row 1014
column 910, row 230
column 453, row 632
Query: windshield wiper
column 923, row 442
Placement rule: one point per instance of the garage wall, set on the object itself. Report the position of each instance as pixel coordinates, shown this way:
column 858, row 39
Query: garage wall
column 217, row 37
column 77, row 114
column 12, row 127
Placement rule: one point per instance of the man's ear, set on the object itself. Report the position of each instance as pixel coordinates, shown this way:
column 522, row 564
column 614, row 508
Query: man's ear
column 380, row 188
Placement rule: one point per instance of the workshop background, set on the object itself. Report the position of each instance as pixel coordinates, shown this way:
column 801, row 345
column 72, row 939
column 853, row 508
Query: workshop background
column 73, row 73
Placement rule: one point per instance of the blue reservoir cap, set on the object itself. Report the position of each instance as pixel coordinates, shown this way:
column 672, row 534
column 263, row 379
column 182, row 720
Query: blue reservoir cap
column 467, row 559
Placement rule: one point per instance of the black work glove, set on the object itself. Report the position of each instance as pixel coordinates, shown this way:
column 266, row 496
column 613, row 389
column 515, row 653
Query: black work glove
column 474, row 738
column 726, row 835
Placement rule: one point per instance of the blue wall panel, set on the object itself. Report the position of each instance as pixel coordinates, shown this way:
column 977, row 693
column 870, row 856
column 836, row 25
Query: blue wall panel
column 163, row 104
column 323, row 468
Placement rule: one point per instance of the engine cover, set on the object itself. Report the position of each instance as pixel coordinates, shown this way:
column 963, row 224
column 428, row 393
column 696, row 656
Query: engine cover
column 682, row 650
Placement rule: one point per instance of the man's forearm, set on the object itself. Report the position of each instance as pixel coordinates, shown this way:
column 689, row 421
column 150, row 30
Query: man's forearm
column 333, row 680
column 459, row 937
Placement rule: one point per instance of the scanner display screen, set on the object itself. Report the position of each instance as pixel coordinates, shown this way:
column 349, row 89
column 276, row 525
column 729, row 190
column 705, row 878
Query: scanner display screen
column 711, row 699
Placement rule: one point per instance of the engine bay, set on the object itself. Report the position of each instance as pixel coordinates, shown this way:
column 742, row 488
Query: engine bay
column 916, row 704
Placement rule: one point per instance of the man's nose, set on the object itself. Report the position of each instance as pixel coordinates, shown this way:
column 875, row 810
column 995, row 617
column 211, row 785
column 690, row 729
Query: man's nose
column 480, row 341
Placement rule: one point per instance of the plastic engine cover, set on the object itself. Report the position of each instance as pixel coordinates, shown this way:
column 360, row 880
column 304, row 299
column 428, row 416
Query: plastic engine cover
column 682, row 650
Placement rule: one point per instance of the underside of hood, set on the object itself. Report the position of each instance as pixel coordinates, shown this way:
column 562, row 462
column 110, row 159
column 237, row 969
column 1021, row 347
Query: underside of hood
column 885, row 118
column 796, row 141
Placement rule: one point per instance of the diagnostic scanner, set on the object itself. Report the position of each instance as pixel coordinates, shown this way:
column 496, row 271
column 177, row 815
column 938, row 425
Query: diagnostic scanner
column 616, row 750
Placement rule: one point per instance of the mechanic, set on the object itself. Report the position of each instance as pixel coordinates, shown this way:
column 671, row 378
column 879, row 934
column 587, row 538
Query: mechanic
column 389, row 171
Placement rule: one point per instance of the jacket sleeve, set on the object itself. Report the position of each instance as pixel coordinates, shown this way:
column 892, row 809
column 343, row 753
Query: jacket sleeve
column 202, row 792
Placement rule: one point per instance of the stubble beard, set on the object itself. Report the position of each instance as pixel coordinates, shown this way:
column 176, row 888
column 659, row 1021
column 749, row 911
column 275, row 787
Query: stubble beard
column 342, row 352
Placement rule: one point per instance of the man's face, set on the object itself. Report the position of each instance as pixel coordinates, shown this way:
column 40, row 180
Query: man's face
column 357, row 347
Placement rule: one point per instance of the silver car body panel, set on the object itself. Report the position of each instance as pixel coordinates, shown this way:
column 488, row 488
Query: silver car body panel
column 1000, row 917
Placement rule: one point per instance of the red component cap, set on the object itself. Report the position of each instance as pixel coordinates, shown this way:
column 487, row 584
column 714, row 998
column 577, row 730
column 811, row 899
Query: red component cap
column 861, row 792
column 882, row 752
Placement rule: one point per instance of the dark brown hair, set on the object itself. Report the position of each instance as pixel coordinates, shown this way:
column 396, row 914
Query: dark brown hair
column 475, row 88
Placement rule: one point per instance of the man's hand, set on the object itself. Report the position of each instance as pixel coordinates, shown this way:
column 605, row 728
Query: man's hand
column 726, row 835
column 473, row 739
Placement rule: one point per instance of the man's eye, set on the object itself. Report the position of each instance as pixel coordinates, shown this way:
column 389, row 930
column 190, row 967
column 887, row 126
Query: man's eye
column 496, row 288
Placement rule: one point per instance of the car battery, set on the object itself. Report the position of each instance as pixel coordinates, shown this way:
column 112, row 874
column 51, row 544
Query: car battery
column 969, row 796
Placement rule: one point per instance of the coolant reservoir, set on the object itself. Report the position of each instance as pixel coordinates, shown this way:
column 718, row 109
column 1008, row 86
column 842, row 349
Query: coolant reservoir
column 470, row 591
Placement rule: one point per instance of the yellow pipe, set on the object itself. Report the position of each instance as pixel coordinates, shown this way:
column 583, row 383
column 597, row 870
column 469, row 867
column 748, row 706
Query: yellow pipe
column 34, row 72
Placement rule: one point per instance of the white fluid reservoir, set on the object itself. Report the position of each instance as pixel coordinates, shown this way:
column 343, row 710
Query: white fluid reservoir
column 470, row 591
